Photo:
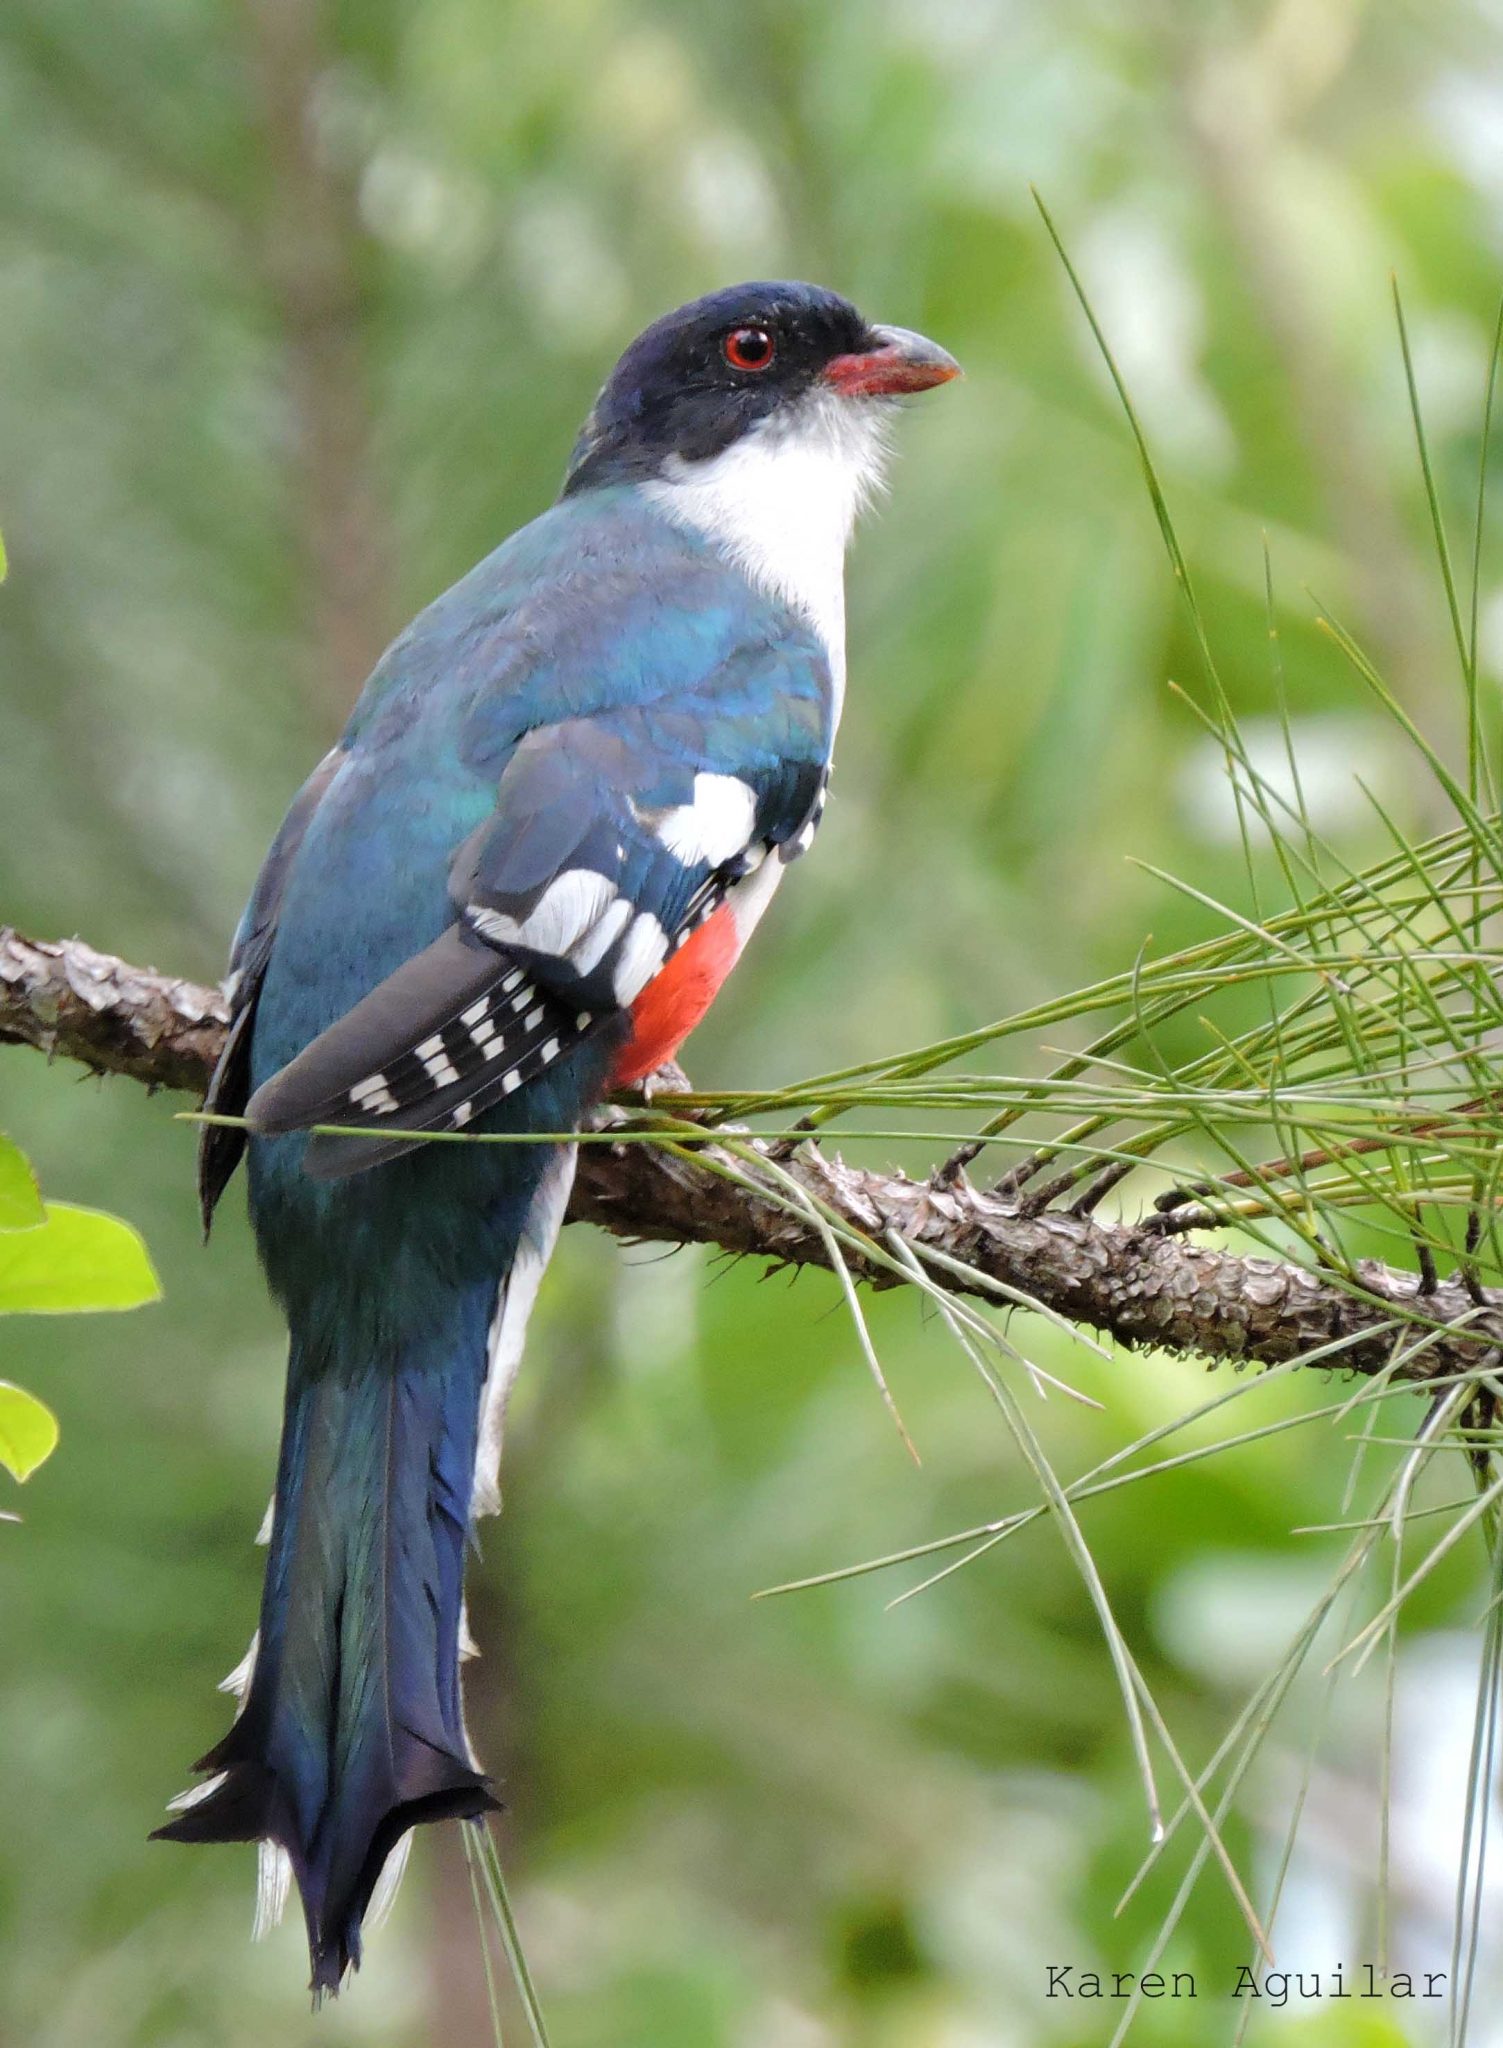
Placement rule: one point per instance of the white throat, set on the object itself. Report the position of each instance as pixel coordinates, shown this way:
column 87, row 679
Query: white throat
column 781, row 503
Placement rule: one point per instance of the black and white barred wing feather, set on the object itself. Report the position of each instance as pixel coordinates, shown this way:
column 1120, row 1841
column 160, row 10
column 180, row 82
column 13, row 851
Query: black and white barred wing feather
column 456, row 1028
column 609, row 846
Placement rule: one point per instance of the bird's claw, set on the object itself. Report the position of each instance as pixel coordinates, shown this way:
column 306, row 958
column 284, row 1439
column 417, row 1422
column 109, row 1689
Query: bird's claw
column 668, row 1079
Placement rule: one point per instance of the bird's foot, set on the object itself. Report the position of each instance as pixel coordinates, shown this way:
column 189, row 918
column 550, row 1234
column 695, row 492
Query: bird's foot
column 668, row 1079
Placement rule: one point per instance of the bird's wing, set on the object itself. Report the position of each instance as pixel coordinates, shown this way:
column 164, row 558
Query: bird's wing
column 220, row 1145
column 614, row 834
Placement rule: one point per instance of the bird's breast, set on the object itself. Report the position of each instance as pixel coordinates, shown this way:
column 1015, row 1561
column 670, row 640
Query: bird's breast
column 680, row 994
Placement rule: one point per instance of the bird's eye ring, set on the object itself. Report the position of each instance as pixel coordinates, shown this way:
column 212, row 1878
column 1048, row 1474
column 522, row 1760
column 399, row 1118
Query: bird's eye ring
column 749, row 348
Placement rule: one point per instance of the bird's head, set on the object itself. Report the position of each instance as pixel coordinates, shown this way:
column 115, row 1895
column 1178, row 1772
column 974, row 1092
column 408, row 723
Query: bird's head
column 783, row 367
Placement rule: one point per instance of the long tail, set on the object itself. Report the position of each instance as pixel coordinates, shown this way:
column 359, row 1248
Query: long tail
column 351, row 1729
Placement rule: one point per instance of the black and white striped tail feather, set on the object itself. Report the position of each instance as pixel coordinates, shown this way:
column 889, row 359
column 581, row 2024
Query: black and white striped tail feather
column 514, row 1303
column 273, row 1861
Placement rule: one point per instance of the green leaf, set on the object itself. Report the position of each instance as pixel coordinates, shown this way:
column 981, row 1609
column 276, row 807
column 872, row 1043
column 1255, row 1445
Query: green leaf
column 3, row 564
column 78, row 1259
column 20, row 1204
column 28, row 1431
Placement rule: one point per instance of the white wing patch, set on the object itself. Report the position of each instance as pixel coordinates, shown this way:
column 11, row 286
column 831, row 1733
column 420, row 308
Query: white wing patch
column 715, row 826
column 581, row 917
column 567, row 911
column 643, row 952
column 586, row 955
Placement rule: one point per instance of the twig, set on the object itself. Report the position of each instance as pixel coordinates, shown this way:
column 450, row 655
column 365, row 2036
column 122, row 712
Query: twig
column 1142, row 1287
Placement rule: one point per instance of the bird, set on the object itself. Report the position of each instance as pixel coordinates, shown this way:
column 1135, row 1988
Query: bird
column 564, row 799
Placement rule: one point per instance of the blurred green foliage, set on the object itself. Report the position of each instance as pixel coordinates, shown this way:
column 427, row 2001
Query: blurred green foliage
column 56, row 1259
column 302, row 305
column 28, row 1432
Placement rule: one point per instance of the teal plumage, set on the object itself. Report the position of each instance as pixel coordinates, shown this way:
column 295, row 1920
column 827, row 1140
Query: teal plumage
column 586, row 763
column 389, row 1278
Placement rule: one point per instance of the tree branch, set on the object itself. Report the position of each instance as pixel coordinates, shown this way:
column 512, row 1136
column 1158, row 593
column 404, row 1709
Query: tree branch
column 1135, row 1284
column 69, row 1001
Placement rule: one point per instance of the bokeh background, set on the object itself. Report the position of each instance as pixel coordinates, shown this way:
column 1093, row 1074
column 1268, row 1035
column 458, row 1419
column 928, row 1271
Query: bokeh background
column 300, row 305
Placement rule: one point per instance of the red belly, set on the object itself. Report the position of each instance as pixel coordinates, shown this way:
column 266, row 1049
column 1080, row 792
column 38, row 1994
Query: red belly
column 677, row 997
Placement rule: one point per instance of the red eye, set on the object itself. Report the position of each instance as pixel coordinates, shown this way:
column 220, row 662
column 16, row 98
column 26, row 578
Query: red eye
column 749, row 348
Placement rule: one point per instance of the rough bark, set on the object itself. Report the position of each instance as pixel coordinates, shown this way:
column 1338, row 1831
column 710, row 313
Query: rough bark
column 1131, row 1281
column 67, row 1000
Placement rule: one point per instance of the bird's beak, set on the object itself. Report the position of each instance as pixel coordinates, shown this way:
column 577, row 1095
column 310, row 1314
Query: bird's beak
column 899, row 361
